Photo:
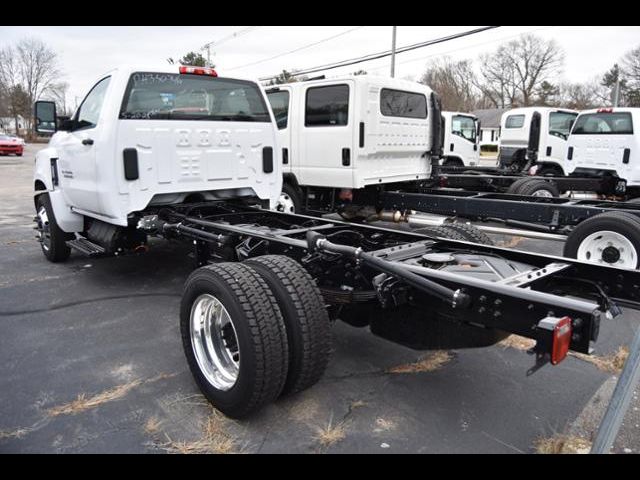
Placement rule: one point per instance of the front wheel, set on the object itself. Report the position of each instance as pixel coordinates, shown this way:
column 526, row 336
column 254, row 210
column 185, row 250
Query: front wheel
column 53, row 240
column 611, row 239
column 289, row 201
column 234, row 338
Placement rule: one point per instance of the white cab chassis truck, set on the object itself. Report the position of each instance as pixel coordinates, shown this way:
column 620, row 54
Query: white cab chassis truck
column 607, row 142
column 551, row 125
column 345, row 135
column 180, row 153
column 461, row 140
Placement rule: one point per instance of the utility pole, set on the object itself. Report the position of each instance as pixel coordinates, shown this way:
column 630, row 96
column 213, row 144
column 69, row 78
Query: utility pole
column 208, row 54
column 616, row 93
column 393, row 51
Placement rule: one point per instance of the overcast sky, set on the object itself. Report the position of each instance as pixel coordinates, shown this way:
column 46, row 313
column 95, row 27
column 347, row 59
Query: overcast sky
column 86, row 52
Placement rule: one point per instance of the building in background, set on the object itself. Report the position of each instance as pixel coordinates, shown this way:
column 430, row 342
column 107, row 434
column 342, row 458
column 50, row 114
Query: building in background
column 8, row 125
column 489, row 127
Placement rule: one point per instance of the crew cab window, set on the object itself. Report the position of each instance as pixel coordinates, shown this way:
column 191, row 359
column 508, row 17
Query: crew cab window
column 327, row 106
column 515, row 121
column 560, row 124
column 396, row 103
column 604, row 124
column 159, row 96
column 464, row 127
column 89, row 112
column 279, row 101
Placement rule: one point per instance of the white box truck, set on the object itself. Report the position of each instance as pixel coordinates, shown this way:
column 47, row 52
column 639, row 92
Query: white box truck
column 461, row 140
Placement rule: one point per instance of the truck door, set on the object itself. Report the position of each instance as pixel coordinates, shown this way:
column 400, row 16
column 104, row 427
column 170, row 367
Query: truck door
column 555, row 134
column 280, row 100
column 326, row 147
column 464, row 141
column 77, row 152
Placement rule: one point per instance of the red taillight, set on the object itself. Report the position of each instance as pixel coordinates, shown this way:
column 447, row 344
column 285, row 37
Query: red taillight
column 198, row 71
column 605, row 110
column 562, row 334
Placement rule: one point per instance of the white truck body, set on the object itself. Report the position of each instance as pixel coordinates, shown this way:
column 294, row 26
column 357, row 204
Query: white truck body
column 188, row 134
column 555, row 127
column 353, row 132
column 606, row 140
column 461, row 141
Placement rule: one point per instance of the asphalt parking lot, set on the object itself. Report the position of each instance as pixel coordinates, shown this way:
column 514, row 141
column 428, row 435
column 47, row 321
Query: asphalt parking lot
column 91, row 361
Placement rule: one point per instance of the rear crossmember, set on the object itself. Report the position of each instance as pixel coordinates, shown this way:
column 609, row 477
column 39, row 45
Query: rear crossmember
column 478, row 292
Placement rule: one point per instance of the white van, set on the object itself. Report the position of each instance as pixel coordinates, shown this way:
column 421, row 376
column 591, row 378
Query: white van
column 342, row 135
column 554, row 126
column 605, row 141
column 461, row 140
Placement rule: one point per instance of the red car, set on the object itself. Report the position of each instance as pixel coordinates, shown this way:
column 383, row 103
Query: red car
column 9, row 145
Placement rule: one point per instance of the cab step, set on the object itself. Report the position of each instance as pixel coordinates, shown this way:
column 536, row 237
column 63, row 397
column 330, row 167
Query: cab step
column 86, row 247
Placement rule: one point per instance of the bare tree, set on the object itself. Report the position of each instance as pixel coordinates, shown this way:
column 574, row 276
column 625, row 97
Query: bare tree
column 517, row 72
column 631, row 66
column 454, row 82
column 583, row 96
column 28, row 71
column 58, row 93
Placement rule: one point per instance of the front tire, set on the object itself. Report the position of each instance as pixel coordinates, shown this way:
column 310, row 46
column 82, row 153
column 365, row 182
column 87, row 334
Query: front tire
column 53, row 240
column 290, row 200
column 305, row 317
column 234, row 338
column 611, row 239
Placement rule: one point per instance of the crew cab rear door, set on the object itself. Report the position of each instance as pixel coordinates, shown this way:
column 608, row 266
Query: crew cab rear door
column 327, row 146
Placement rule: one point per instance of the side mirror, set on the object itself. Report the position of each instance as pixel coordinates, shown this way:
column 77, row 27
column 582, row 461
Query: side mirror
column 45, row 113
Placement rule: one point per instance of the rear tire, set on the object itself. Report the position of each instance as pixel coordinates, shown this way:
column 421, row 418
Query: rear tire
column 258, row 336
column 536, row 187
column 442, row 232
column 53, row 240
column 305, row 317
column 611, row 239
column 471, row 233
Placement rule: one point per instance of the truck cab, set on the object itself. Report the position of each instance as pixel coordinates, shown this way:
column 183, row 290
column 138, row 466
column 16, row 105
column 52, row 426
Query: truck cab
column 605, row 141
column 461, row 140
column 342, row 135
column 143, row 138
column 550, row 126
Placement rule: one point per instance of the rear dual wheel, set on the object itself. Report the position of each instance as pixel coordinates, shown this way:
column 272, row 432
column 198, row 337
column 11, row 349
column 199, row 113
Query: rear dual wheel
column 252, row 332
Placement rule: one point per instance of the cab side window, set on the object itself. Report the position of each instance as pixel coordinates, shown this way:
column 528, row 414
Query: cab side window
column 89, row 111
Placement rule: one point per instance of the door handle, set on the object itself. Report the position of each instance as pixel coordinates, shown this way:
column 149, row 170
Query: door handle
column 87, row 141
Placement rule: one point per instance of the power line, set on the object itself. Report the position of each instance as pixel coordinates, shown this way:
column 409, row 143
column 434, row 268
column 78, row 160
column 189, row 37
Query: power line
column 284, row 54
column 232, row 36
column 376, row 56
column 467, row 47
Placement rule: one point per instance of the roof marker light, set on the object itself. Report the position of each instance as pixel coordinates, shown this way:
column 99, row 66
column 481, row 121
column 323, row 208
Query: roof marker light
column 210, row 72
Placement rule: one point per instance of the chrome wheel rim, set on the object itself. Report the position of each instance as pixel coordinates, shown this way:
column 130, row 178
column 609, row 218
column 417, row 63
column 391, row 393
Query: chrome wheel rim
column 608, row 248
column 285, row 204
column 44, row 232
column 215, row 342
column 542, row 193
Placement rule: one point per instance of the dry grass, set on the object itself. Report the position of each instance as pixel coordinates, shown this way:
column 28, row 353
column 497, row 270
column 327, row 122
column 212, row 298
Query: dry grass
column 432, row 362
column 613, row 363
column 384, row 425
column 331, row 434
column 517, row 342
column 152, row 426
column 511, row 243
column 19, row 433
column 562, row 444
column 215, row 439
column 83, row 403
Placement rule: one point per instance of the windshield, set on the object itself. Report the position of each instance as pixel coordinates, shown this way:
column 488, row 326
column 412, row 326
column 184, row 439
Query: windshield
column 560, row 124
column 155, row 96
column 604, row 124
column 465, row 127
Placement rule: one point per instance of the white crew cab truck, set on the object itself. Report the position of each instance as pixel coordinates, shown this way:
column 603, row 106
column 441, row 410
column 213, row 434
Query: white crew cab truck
column 606, row 142
column 144, row 138
column 340, row 136
column 461, row 140
column 550, row 125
